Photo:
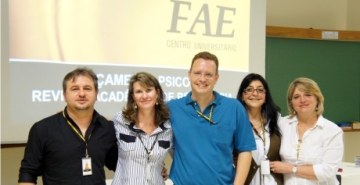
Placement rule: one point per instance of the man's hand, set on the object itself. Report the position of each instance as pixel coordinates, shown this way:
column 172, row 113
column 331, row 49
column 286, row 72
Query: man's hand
column 164, row 173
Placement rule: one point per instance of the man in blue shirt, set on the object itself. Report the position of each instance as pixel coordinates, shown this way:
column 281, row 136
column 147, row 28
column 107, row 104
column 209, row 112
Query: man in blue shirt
column 208, row 128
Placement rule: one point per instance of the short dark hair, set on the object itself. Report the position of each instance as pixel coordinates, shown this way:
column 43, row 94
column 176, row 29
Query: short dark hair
column 81, row 71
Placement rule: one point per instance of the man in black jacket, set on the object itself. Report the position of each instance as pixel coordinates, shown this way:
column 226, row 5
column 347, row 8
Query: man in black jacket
column 73, row 146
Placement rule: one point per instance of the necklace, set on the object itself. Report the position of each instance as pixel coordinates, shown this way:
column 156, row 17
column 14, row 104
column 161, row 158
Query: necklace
column 301, row 132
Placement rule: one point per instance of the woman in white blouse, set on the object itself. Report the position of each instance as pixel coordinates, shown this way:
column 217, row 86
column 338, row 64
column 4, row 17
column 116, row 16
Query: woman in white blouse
column 312, row 146
column 143, row 132
column 254, row 94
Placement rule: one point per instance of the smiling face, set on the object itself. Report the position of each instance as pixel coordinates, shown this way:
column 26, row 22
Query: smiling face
column 144, row 96
column 304, row 96
column 203, row 76
column 303, row 103
column 80, row 93
column 254, row 95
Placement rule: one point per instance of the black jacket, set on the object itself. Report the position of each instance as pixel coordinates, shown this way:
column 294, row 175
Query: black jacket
column 55, row 151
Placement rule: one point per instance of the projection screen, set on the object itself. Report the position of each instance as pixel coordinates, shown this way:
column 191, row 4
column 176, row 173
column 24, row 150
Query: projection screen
column 43, row 40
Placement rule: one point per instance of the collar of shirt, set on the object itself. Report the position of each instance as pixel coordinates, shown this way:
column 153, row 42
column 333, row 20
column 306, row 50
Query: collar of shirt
column 216, row 101
column 319, row 123
column 95, row 121
column 159, row 129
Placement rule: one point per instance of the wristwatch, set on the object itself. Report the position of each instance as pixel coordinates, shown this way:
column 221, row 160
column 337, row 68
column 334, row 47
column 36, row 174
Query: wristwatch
column 294, row 170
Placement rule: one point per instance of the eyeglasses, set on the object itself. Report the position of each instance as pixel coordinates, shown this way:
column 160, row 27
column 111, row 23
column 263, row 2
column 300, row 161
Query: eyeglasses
column 206, row 75
column 251, row 90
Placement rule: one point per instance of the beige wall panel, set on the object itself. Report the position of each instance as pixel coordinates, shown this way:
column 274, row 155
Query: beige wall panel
column 319, row 14
column 353, row 15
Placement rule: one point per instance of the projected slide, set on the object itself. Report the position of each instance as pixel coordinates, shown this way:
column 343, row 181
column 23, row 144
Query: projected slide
column 135, row 33
column 116, row 38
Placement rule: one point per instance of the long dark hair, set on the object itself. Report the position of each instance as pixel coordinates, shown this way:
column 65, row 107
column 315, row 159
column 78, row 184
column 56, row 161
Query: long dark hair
column 269, row 109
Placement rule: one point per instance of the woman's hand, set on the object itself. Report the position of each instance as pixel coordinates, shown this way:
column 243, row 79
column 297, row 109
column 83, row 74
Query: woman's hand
column 281, row 167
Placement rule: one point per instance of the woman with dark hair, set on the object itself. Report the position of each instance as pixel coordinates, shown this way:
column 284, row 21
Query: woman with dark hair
column 254, row 94
column 143, row 133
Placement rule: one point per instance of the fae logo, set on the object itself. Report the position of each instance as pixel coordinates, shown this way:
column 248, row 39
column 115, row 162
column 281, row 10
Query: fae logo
column 203, row 19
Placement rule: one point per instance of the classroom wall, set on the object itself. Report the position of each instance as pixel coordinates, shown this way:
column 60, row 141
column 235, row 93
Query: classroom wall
column 317, row 14
column 10, row 163
column 0, row 86
column 351, row 146
column 353, row 15
column 334, row 65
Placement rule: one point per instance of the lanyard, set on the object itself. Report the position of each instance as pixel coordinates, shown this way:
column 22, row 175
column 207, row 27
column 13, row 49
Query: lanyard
column 148, row 151
column 263, row 138
column 78, row 133
column 207, row 118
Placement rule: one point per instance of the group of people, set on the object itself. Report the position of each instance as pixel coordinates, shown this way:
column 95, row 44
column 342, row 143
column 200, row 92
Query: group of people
column 301, row 148
column 213, row 139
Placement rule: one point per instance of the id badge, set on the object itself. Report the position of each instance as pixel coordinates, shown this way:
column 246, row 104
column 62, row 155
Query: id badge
column 148, row 171
column 86, row 166
column 265, row 167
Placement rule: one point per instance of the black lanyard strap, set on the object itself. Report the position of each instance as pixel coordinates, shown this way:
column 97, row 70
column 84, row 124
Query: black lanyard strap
column 148, row 151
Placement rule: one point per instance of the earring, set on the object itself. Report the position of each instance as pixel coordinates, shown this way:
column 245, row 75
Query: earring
column 135, row 106
column 156, row 103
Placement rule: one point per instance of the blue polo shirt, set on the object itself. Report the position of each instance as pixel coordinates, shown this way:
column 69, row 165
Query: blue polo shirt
column 203, row 152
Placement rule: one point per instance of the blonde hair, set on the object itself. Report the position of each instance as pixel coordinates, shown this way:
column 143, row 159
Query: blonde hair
column 306, row 85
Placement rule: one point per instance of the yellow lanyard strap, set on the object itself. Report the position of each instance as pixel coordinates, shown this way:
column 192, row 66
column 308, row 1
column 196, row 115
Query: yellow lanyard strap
column 77, row 133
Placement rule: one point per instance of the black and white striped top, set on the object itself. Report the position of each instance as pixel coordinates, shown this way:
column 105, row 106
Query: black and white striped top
column 141, row 156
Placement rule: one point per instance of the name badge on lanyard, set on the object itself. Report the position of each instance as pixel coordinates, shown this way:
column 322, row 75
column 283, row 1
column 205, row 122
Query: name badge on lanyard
column 265, row 167
column 86, row 166
column 86, row 161
column 265, row 163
